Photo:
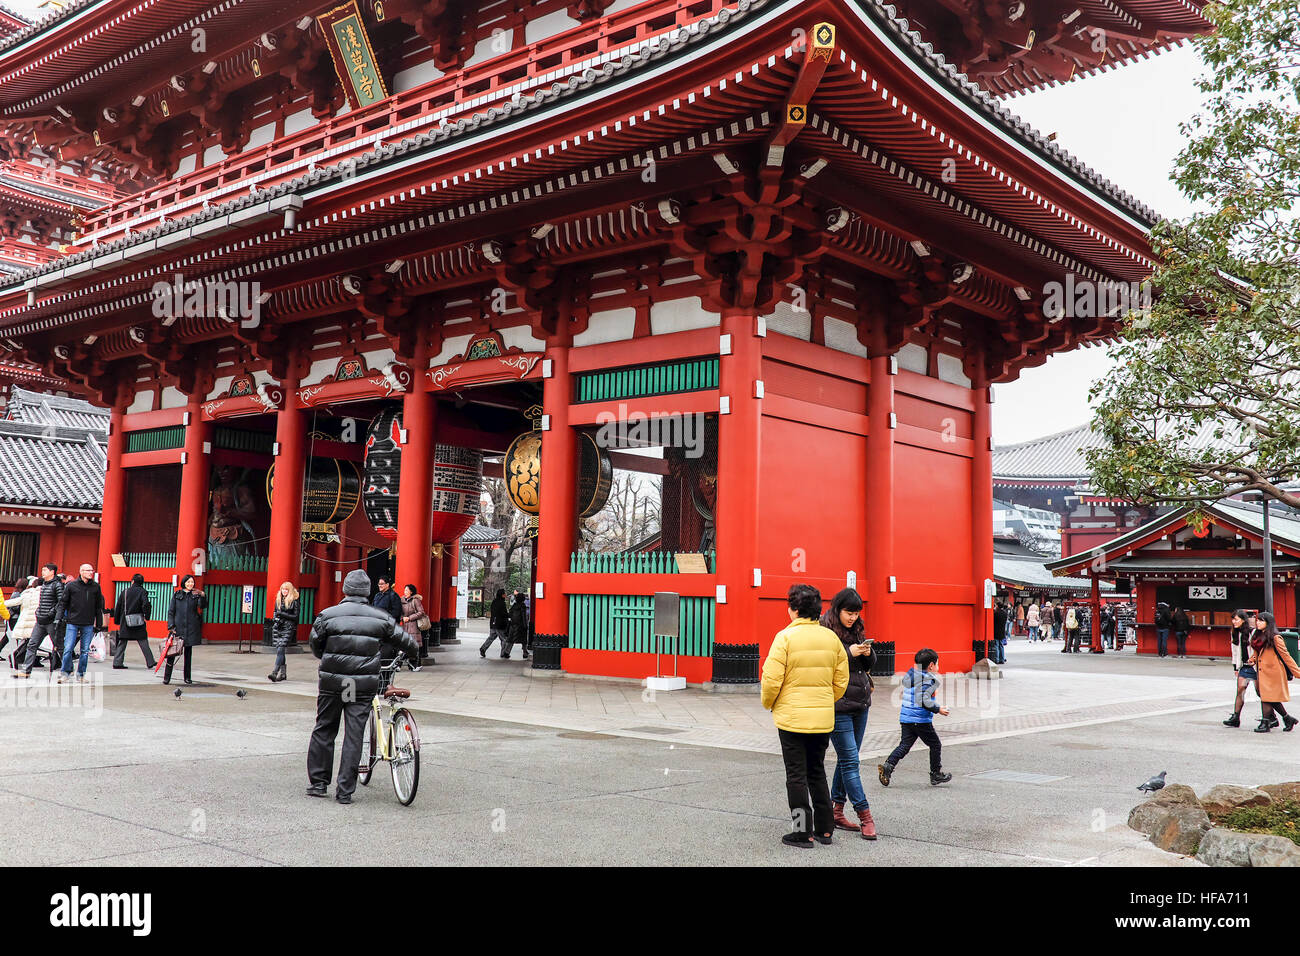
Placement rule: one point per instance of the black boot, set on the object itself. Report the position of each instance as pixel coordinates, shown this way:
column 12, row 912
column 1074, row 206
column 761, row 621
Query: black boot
column 1264, row 727
column 885, row 771
column 1233, row 721
column 1290, row 722
column 939, row 777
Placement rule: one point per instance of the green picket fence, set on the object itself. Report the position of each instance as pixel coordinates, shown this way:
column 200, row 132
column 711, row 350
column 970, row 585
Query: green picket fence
column 632, row 562
column 688, row 375
column 160, row 596
column 156, row 439
column 253, row 562
column 226, row 602
column 625, row 622
column 150, row 559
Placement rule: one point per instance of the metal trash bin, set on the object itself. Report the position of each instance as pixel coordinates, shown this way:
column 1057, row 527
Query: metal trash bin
column 546, row 651
column 735, row 664
column 884, row 665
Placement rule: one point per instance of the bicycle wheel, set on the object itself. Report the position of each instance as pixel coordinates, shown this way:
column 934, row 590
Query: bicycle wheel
column 406, row 756
column 369, row 748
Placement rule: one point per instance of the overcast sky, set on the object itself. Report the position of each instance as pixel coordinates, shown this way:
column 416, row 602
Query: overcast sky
column 1124, row 124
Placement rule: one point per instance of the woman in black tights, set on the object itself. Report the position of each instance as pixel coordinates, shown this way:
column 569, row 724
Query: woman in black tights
column 1243, row 623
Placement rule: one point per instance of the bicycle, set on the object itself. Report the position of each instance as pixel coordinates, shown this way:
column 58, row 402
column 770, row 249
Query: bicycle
column 392, row 736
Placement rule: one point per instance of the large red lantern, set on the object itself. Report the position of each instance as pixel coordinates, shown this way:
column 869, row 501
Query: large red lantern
column 457, row 484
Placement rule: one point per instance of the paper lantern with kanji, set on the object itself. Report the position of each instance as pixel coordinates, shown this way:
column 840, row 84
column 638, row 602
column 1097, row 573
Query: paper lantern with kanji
column 382, row 472
column 457, row 484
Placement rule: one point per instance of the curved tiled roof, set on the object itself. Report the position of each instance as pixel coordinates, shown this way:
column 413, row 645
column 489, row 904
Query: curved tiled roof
column 36, row 408
column 1056, row 456
column 50, row 467
column 919, row 52
column 1061, row 456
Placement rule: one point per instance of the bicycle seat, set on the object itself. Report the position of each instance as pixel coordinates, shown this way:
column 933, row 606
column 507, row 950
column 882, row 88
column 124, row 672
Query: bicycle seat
column 398, row 693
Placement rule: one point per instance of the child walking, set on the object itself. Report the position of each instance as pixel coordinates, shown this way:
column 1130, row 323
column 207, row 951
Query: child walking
column 917, row 717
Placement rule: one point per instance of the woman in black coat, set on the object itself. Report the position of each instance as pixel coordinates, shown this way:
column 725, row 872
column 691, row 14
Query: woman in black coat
column 284, row 628
column 185, row 620
column 132, row 605
column 845, row 619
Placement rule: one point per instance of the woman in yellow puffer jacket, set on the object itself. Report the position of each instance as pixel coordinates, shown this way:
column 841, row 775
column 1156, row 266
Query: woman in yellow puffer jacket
column 805, row 673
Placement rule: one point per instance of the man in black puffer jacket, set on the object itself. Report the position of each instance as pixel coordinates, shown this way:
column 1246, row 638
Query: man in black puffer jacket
column 349, row 638
column 46, row 618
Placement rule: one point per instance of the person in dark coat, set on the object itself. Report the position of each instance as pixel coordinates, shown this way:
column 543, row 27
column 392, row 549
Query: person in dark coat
column 518, row 630
column 386, row 599
column 845, row 618
column 284, row 628
column 132, row 606
column 350, row 638
column 1108, row 626
column 1182, row 625
column 498, row 625
column 1163, row 622
column 82, row 606
column 47, row 608
column 998, row 642
column 185, row 620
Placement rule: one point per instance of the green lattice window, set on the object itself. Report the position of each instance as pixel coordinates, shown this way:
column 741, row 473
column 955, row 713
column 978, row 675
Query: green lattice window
column 687, row 375
column 226, row 603
column 150, row 559
column 156, row 439
column 625, row 622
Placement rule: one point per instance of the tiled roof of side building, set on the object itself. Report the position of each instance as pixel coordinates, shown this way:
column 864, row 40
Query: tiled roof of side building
column 60, row 411
column 43, row 466
column 1061, row 456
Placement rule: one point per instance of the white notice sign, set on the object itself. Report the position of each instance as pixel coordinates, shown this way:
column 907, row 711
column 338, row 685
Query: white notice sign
column 1208, row 592
column 462, row 595
column 248, row 599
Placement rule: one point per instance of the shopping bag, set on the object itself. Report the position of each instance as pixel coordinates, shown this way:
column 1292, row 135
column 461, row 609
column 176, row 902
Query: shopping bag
column 98, row 647
column 47, row 645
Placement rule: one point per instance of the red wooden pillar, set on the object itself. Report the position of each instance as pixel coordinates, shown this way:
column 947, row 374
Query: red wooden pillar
column 740, row 368
column 415, row 527
column 328, row 556
column 284, row 554
column 191, row 526
column 111, row 520
column 451, row 568
column 434, row 596
column 878, row 612
column 558, row 488
column 982, row 510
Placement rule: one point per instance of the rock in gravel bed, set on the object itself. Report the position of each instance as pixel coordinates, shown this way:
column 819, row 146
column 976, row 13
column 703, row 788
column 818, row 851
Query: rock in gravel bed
column 1224, row 798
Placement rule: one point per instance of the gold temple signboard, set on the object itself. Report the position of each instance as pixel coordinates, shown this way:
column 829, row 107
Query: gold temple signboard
column 354, row 59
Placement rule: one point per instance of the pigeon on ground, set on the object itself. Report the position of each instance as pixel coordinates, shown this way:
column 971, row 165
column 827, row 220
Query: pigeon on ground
column 177, row 693
column 241, row 693
column 1155, row 783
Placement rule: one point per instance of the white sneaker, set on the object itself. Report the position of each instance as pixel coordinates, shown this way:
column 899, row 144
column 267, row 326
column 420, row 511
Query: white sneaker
column 62, row 676
column 82, row 679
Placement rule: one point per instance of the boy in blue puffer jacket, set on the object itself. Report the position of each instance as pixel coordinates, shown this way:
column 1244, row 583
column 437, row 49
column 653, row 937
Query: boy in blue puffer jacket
column 917, row 717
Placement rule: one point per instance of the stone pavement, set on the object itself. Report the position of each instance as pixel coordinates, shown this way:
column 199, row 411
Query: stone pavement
column 517, row 769
column 1041, row 690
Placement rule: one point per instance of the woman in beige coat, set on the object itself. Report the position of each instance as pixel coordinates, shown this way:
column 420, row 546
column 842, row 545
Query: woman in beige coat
column 1269, row 657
